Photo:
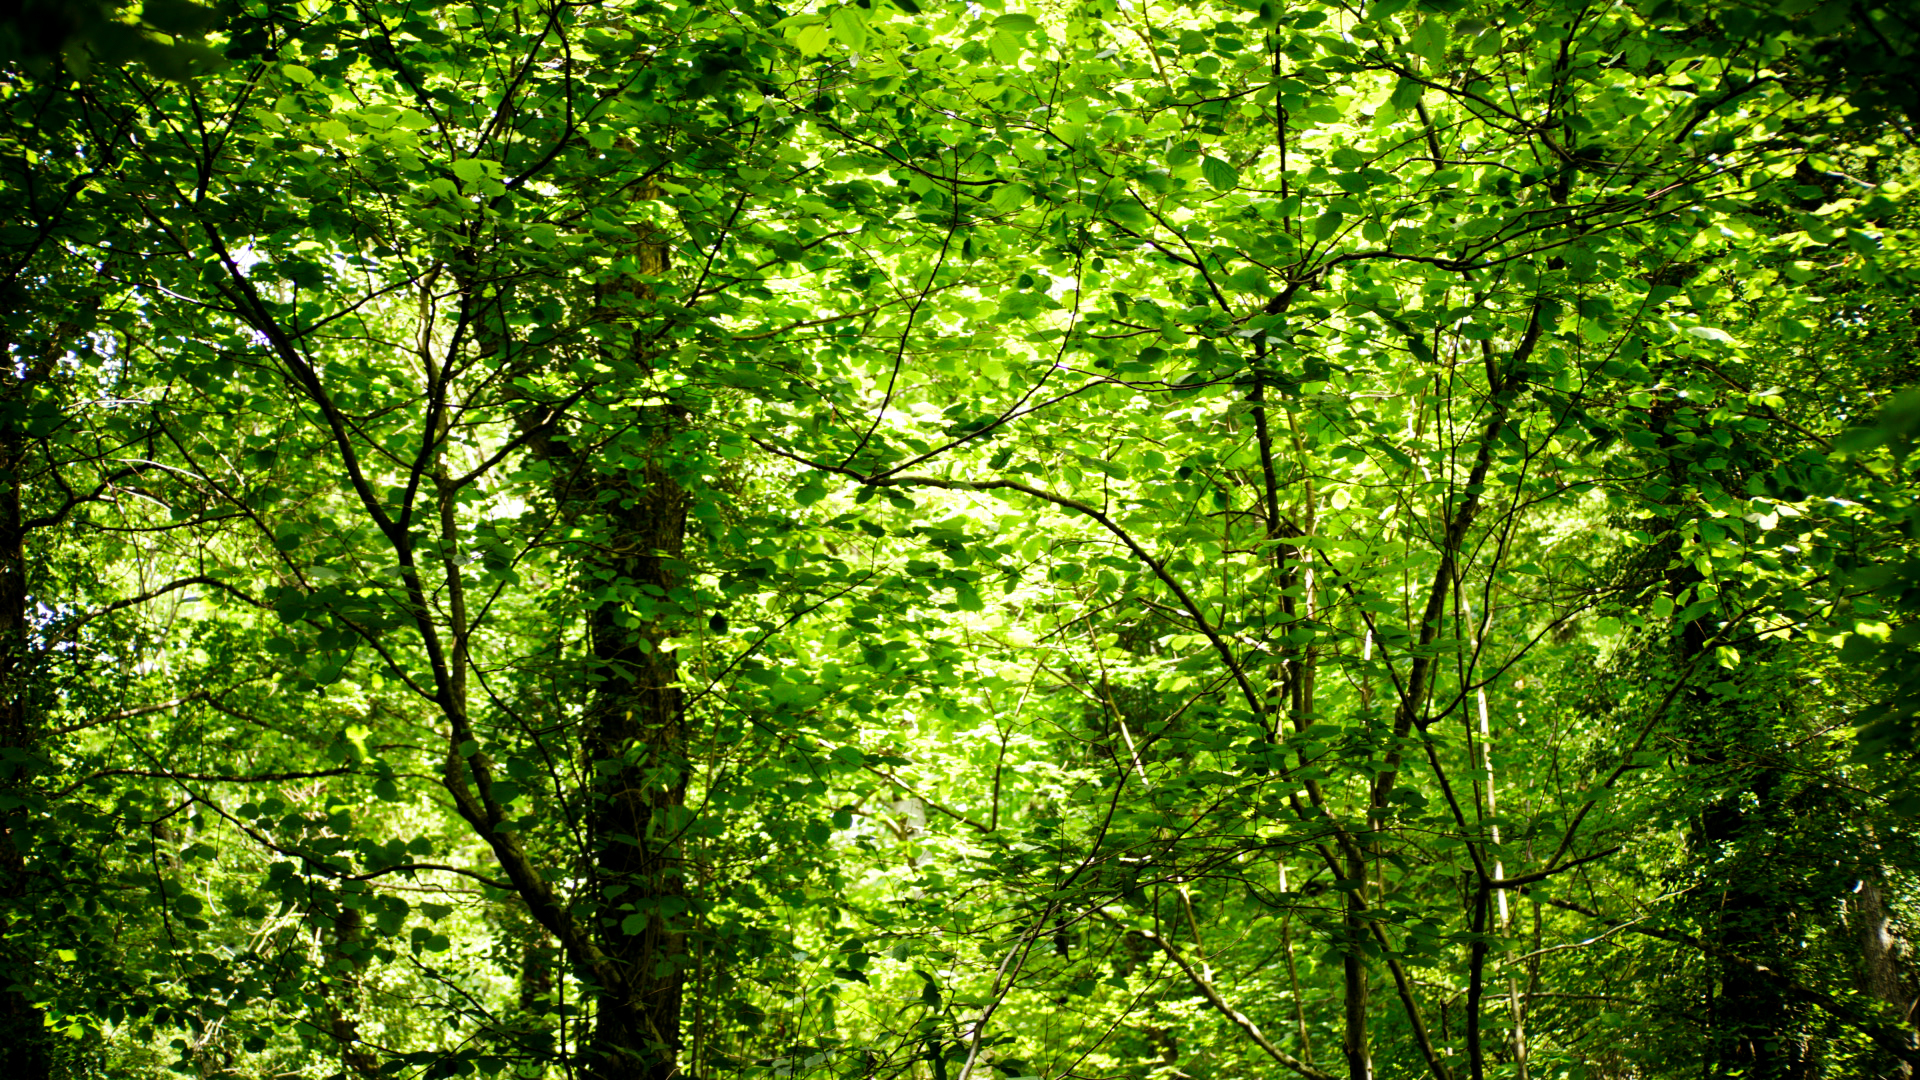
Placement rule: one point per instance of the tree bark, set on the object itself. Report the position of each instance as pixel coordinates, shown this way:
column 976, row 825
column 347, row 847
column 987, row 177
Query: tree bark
column 25, row 1049
column 347, row 956
column 637, row 724
column 1883, row 958
column 1354, row 1043
column 1754, row 1029
column 1757, row 1029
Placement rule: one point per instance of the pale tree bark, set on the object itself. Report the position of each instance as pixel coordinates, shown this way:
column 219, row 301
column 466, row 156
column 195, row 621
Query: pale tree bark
column 1884, row 959
column 1492, row 792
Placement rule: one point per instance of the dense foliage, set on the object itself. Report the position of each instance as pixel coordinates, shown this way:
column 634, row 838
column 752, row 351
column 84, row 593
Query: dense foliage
column 1114, row 539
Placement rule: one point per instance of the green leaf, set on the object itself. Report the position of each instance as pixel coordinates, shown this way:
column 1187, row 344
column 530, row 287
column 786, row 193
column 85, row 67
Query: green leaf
column 812, row 40
column 1327, row 224
column 967, row 597
column 1005, row 47
column 1010, row 197
column 1219, row 174
column 850, row 27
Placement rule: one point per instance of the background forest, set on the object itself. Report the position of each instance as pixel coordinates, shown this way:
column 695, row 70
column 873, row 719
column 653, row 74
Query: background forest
column 931, row 541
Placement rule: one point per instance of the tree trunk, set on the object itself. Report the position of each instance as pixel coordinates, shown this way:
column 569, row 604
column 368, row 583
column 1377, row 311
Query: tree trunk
column 634, row 732
column 24, row 1045
column 1753, row 1024
column 347, row 959
column 1756, row 1030
column 637, row 725
column 1883, row 959
column 635, row 517
column 1355, row 1042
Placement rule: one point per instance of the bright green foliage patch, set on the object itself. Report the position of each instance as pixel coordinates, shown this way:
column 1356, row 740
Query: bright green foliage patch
column 929, row 540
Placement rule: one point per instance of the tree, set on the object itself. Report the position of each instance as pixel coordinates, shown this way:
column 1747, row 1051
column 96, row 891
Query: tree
column 1171, row 540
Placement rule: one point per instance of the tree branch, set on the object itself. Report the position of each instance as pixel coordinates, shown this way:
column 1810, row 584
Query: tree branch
column 1240, row 1019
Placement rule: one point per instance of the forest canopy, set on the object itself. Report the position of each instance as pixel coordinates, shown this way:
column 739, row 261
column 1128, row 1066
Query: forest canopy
column 927, row 541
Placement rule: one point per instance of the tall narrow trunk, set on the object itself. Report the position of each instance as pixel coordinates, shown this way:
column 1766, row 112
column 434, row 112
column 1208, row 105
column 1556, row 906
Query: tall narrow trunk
column 1757, row 1025
column 636, row 722
column 1756, row 1029
column 24, row 1046
column 1488, row 782
column 1355, row 1043
column 614, row 484
column 1293, row 979
column 347, row 957
column 1476, row 982
column 638, row 727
